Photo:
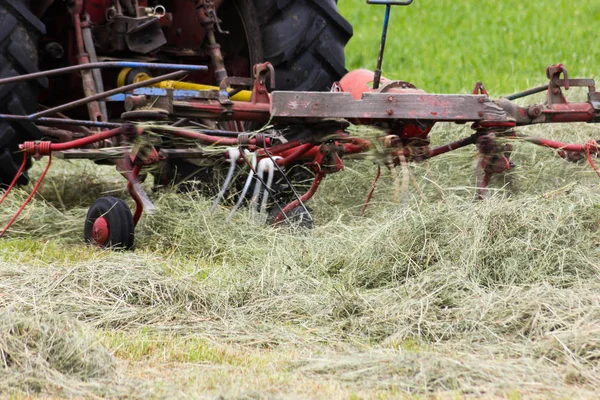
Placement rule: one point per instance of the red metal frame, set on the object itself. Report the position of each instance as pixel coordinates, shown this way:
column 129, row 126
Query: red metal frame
column 324, row 151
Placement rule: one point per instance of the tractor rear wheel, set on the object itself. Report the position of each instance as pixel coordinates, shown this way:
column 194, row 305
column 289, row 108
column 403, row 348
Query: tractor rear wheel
column 304, row 40
column 19, row 33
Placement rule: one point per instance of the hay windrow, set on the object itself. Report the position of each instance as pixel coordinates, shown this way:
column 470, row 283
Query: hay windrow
column 48, row 352
column 432, row 296
column 437, row 294
column 509, row 283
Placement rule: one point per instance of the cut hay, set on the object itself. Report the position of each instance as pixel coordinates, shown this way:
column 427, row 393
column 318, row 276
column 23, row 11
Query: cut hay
column 41, row 353
column 436, row 296
column 458, row 296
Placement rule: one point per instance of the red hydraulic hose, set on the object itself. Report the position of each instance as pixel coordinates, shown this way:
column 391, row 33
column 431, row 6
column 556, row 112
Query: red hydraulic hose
column 206, row 139
column 35, row 188
column 279, row 148
column 578, row 148
column 305, row 197
column 45, row 148
column 292, row 155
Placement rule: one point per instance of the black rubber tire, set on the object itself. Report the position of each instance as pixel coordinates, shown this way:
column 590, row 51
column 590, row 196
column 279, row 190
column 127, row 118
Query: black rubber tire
column 304, row 40
column 120, row 223
column 19, row 34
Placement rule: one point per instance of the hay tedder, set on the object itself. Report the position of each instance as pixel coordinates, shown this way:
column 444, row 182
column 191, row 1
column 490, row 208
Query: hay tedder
column 204, row 117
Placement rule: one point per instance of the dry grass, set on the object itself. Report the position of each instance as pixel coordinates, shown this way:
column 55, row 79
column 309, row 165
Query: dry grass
column 437, row 296
column 433, row 296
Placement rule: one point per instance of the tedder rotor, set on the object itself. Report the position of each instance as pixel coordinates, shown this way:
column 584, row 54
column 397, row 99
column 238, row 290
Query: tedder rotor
column 246, row 123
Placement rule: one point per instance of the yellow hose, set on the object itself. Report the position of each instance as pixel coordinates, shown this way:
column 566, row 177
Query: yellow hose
column 243, row 95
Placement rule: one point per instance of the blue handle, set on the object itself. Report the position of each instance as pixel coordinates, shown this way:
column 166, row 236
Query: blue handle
column 390, row 3
column 136, row 64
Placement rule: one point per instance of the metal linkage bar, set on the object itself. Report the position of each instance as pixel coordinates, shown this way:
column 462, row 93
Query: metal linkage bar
column 590, row 83
column 60, row 121
column 528, row 92
column 377, row 79
column 100, row 96
column 386, row 21
column 102, row 65
column 46, row 148
column 453, row 146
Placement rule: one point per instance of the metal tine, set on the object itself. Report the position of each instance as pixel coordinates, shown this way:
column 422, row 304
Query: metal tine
column 240, row 201
column 234, row 155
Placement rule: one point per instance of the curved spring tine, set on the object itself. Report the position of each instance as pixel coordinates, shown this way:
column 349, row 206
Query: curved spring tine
column 267, row 190
column 245, row 190
column 234, row 154
column 289, row 183
column 260, row 171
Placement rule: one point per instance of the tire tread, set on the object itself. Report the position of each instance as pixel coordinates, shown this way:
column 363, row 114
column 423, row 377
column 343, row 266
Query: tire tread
column 19, row 33
column 304, row 40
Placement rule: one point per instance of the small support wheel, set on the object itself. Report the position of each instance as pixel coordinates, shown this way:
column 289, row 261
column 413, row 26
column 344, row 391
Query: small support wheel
column 109, row 224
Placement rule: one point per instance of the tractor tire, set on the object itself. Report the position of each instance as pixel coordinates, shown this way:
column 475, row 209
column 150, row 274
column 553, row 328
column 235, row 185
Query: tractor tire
column 109, row 224
column 19, row 33
column 304, row 40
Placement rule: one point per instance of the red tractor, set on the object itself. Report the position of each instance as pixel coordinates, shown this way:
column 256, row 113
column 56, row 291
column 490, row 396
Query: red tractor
column 303, row 39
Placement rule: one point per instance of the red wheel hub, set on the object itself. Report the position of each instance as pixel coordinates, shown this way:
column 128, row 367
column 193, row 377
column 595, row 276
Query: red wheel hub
column 100, row 231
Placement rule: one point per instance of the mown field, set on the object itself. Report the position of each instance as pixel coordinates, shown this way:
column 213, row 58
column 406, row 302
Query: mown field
column 430, row 295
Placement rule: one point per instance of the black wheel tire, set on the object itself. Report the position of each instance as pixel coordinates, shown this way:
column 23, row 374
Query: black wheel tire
column 19, row 34
column 118, row 221
column 304, row 40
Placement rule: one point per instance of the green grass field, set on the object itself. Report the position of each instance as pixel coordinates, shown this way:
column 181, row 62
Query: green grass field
column 446, row 46
column 432, row 295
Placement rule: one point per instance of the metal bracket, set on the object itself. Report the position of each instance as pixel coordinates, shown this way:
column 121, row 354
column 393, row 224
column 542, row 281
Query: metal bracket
column 260, row 93
column 555, row 94
column 328, row 160
column 595, row 100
